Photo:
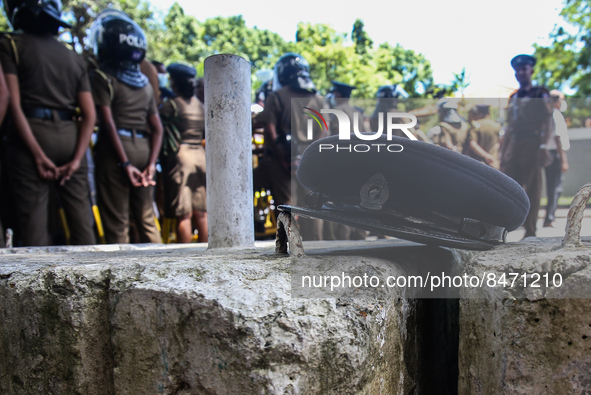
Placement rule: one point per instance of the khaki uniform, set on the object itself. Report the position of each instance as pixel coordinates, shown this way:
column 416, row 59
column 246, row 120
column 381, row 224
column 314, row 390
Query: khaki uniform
column 527, row 121
column 272, row 173
column 485, row 132
column 184, row 174
column 451, row 135
column 333, row 230
column 150, row 71
column 383, row 107
column 344, row 106
column 50, row 77
column 117, row 198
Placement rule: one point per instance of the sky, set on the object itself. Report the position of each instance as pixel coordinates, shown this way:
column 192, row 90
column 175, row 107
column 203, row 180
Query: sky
column 481, row 36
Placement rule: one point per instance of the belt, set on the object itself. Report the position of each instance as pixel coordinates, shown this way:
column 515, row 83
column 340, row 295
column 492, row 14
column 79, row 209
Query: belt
column 48, row 113
column 140, row 134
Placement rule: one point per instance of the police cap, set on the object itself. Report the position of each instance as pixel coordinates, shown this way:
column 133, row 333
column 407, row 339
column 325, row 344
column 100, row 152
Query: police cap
column 482, row 109
column 179, row 70
column 411, row 190
column 521, row 60
column 343, row 89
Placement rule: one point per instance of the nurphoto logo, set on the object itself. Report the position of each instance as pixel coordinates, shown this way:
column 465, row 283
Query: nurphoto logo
column 344, row 128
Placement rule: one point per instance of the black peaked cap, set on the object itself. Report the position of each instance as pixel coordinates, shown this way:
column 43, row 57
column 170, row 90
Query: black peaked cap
column 344, row 89
column 181, row 70
column 520, row 60
column 422, row 177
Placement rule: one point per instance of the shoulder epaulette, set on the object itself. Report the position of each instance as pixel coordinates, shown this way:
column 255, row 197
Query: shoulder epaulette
column 175, row 107
column 9, row 36
column 173, row 104
column 108, row 80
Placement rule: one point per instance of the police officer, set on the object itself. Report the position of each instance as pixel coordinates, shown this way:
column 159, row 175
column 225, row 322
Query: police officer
column 452, row 130
column 557, row 145
column 483, row 136
column 524, row 149
column 163, row 81
column 339, row 100
column 200, row 90
column 184, row 172
column 263, row 91
column 283, row 139
column 388, row 96
column 126, row 152
column 47, row 82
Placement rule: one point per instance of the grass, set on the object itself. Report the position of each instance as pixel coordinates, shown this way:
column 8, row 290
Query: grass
column 563, row 201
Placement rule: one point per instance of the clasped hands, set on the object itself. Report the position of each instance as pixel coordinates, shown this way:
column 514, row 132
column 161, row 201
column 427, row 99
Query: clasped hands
column 49, row 171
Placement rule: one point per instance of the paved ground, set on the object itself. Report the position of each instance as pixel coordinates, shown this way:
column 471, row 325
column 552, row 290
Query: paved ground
column 558, row 230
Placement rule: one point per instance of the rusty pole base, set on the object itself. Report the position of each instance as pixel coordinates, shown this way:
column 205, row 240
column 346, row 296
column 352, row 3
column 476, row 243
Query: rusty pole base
column 574, row 219
column 288, row 235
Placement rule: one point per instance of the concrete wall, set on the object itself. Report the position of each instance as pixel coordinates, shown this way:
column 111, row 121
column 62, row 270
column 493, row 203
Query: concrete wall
column 185, row 320
column 526, row 340
column 579, row 159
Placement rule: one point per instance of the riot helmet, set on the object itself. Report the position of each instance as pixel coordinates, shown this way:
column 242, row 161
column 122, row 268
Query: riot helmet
column 119, row 45
column 35, row 16
column 293, row 69
column 448, row 111
column 115, row 38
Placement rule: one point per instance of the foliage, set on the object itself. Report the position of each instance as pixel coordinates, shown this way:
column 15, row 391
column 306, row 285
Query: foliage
column 460, row 82
column 361, row 39
column 177, row 37
column 3, row 23
column 81, row 13
column 332, row 57
column 566, row 62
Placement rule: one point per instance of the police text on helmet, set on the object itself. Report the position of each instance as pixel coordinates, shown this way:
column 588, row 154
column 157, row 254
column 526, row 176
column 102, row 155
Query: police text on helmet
column 133, row 41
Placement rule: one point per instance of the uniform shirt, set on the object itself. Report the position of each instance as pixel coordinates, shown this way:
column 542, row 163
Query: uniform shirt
column 485, row 132
column 131, row 107
column 49, row 74
column 278, row 111
column 191, row 118
column 446, row 132
column 560, row 129
column 384, row 106
column 529, row 113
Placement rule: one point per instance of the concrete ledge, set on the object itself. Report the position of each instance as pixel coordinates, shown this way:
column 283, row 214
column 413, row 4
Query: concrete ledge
column 528, row 340
column 184, row 320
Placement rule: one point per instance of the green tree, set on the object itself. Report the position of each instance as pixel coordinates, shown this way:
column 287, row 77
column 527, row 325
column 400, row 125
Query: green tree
column 333, row 57
column 177, row 37
column 460, row 82
column 4, row 27
column 81, row 13
column 406, row 67
column 363, row 43
column 566, row 61
column 180, row 39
